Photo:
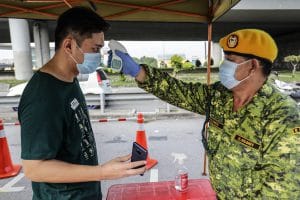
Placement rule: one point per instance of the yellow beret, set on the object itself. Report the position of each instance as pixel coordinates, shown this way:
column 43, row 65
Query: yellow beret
column 250, row 41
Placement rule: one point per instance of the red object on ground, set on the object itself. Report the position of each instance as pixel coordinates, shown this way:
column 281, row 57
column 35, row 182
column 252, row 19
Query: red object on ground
column 141, row 139
column 121, row 119
column 198, row 189
column 109, row 120
column 7, row 168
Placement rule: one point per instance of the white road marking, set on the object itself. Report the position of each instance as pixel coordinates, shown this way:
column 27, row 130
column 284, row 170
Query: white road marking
column 8, row 186
column 153, row 175
column 178, row 157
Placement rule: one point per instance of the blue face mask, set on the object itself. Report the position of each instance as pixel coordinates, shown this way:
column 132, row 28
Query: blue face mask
column 90, row 63
column 226, row 73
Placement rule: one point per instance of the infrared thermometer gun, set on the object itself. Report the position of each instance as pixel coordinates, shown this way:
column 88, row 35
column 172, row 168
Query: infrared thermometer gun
column 116, row 61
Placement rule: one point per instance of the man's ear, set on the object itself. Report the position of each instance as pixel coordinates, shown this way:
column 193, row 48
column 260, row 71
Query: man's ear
column 67, row 45
column 254, row 65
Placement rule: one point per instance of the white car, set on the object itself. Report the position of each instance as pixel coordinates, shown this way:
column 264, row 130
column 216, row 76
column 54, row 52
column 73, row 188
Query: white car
column 17, row 90
column 286, row 88
column 95, row 83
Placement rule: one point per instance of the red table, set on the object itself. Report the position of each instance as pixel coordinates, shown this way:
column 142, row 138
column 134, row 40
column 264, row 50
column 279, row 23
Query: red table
column 198, row 189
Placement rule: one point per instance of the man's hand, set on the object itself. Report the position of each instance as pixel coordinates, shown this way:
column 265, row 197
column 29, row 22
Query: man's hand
column 129, row 66
column 120, row 167
column 56, row 171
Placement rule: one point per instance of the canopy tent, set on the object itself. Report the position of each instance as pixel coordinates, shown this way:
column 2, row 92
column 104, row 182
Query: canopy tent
column 276, row 17
column 138, row 11
column 122, row 10
column 201, row 11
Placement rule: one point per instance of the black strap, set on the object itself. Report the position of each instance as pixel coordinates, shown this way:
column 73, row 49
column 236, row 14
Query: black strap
column 207, row 118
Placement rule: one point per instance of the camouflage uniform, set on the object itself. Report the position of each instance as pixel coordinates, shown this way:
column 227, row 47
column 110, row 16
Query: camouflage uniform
column 253, row 153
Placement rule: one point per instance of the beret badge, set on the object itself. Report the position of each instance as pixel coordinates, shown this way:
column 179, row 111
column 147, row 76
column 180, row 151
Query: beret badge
column 232, row 41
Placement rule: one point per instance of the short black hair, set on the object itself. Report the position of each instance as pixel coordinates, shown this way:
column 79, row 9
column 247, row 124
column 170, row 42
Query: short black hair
column 267, row 65
column 81, row 23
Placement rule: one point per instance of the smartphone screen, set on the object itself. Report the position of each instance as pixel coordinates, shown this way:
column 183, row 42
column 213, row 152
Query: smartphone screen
column 138, row 153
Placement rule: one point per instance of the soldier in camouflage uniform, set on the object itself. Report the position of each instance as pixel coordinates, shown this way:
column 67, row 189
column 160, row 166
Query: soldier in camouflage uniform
column 254, row 131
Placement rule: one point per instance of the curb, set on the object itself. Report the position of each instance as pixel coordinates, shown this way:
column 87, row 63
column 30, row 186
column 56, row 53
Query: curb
column 12, row 117
column 149, row 116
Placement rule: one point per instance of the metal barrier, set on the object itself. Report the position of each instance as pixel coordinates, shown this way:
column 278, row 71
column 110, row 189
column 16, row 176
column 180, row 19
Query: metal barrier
column 106, row 99
column 101, row 100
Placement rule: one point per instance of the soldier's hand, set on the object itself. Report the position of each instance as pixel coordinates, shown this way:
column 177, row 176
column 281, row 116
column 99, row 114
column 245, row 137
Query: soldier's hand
column 129, row 66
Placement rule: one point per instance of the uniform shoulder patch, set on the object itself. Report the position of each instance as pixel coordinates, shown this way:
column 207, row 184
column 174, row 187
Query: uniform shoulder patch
column 296, row 130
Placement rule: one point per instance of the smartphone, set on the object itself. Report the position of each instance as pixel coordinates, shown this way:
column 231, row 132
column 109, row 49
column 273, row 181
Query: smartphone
column 138, row 153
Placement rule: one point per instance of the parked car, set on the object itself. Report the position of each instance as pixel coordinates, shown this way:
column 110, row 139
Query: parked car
column 287, row 88
column 95, row 83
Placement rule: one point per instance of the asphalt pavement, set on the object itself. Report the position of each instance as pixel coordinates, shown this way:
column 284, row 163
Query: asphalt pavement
column 168, row 140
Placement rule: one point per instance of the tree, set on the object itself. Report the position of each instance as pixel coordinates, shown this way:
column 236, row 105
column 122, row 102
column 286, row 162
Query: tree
column 162, row 64
column 176, row 63
column 150, row 61
column 137, row 60
column 187, row 65
column 294, row 60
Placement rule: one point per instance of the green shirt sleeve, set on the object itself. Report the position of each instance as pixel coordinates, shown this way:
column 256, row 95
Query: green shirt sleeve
column 41, row 127
column 189, row 96
column 280, row 167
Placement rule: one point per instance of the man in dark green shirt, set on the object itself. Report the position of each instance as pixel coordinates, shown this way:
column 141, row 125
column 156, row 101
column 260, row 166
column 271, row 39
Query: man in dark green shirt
column 253, row 144
column 58, row 145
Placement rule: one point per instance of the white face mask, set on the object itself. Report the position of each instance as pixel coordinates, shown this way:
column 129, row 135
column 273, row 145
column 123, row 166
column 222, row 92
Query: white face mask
column 226, row 73
column 90, row 63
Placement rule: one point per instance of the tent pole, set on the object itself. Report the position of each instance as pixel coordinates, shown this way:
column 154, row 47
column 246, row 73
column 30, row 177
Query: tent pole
column 209, row 36
column 209, row 52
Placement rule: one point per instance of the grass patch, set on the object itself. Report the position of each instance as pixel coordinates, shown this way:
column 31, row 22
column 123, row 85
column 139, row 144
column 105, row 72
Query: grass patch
column 118, row 81
column 287, row 77
column 12, row 82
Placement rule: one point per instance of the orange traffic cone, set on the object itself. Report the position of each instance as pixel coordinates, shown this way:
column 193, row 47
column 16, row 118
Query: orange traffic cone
column 141, row 139
column 7, row 169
